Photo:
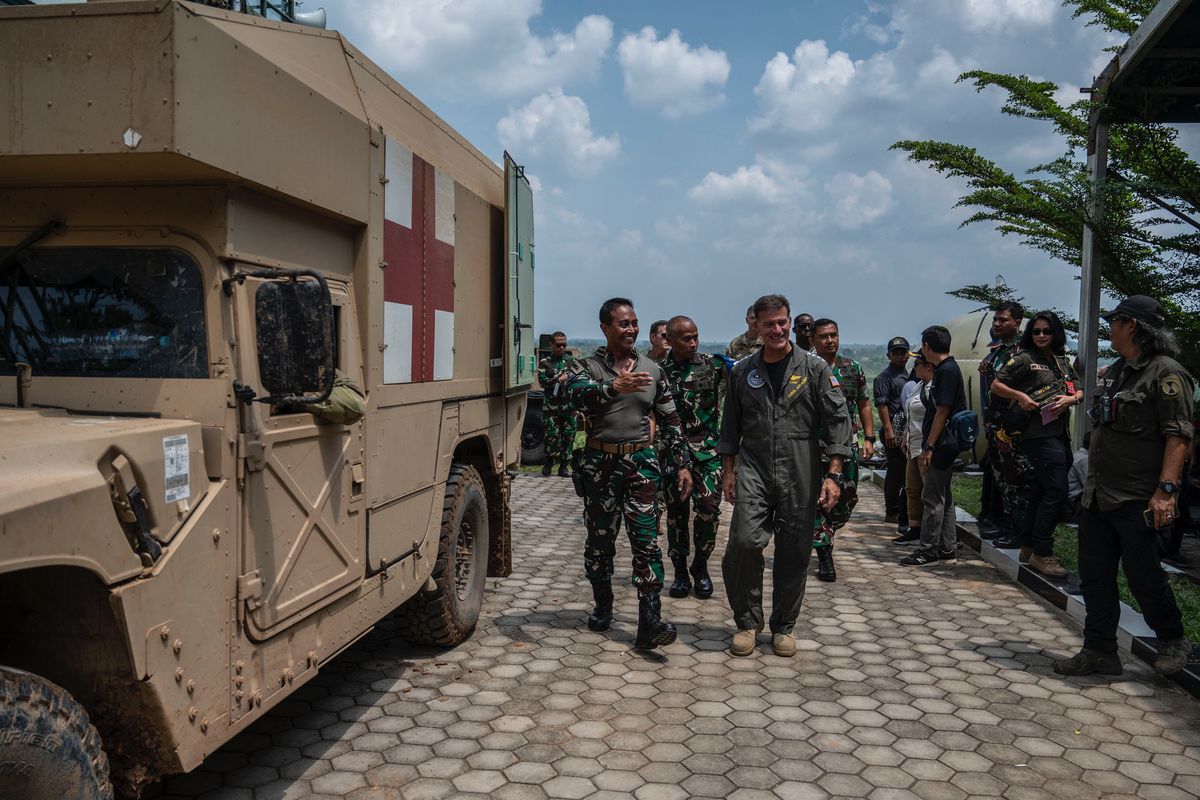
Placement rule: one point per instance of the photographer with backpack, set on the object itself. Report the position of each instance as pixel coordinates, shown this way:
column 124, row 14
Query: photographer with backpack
column 946, row 431
column 1040, row 383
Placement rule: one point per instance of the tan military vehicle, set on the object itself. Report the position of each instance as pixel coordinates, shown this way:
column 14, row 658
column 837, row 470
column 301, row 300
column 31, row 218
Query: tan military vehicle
column 205, row 216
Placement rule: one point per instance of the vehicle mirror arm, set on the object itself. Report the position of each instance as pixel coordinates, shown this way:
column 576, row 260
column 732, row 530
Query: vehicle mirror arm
column 9, row 258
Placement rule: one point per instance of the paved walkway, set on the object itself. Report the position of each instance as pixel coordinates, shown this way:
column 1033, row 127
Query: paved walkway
column 930, row 683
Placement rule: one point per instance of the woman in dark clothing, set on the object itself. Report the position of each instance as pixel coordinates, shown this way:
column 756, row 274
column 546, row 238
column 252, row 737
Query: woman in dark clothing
column 1040, row 380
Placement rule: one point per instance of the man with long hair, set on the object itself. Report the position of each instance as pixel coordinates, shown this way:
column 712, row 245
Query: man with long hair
column 1143, row 426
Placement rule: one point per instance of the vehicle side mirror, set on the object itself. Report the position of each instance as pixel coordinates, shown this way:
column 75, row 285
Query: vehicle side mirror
column 294, row 331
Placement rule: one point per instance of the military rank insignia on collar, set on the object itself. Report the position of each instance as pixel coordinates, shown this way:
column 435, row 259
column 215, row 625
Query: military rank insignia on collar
column 754, row 379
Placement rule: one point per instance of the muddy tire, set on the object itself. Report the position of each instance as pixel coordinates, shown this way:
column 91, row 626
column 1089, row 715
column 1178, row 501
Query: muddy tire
column 447, row 616
column 48, row 747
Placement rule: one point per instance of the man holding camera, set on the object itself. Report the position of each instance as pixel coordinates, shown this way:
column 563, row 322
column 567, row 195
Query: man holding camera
column 1143, row 427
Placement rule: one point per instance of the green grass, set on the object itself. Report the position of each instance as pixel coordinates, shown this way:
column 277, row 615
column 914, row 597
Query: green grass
column 967, row 491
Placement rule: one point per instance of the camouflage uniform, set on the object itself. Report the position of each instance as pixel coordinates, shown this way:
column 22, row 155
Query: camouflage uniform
column 742, row 346
column 558, row 414
column 849, row 374
column 1012, row 470
column 698, row 386
column 623, row 484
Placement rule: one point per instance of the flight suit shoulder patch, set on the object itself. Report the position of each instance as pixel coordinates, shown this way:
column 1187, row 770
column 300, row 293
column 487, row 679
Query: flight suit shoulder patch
column 1170, row 386
column 833, row 381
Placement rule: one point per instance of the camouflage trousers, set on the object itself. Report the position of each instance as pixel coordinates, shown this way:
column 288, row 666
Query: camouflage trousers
column 830, row 522
column 616, row 488
column 1013, row 473
column 561, row 424
column 706, row 500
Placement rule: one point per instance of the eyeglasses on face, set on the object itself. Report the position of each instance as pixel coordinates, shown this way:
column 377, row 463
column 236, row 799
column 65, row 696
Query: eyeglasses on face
column 1042, row 332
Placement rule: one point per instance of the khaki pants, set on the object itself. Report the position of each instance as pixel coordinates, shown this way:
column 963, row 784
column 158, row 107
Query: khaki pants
column 914, row 482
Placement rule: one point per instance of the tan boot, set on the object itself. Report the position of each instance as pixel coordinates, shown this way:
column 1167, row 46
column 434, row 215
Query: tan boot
column 1025, row 554
column 1049, row 566
column 784, row 644
column 744, row 642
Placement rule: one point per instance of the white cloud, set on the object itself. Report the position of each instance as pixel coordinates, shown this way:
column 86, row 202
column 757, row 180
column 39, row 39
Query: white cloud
column 802, row 93
column 990, row 15
column 671, row 76
column 557, row 127
column 767, row 181
column 630, row 237
column 858, row 199
column 942, row 69
column 679, row 229
column 467, row 45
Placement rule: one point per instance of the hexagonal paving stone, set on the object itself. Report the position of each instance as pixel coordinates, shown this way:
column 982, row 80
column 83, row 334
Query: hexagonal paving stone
column 929, row 684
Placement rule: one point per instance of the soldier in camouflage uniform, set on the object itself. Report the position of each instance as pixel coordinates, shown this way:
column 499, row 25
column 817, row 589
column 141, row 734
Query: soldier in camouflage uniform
column 1012, row 471
column 748, row 343
column 698, row 385
column 618, row 470
column 558, row 415
column 849, row 375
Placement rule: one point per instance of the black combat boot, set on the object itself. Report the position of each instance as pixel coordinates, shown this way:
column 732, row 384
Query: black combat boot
column 682, row 585
column 652, row 631
column 563, row 470
column 601, row 616
column 549, row 465
column 825, row 570
column 699, row 570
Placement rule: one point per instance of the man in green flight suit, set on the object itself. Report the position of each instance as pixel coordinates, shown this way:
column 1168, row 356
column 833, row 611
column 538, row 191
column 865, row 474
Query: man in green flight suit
column 558, row 415
column 618, row 390
column 698, row 385
column 776, row 403
column 849, row 374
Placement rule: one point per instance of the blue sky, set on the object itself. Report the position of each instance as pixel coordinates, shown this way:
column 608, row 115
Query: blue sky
column 693, row 156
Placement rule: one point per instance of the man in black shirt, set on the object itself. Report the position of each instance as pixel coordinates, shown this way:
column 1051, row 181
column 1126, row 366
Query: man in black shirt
column 947, row 395
column 886, row 388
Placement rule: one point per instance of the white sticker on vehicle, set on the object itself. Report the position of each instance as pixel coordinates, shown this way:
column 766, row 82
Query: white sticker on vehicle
column 175, row 468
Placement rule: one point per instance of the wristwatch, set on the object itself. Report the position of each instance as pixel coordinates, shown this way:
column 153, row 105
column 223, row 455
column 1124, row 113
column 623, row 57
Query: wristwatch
column 837, row 478
column 870, row 439
column 1168, row 487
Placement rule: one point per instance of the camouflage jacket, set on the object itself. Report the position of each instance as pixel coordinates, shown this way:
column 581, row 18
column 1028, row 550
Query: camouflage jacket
column 625, row 418
column 698, row 386
column 549, row 368
column 849, row 376
column 989, row 365
column 742, row 346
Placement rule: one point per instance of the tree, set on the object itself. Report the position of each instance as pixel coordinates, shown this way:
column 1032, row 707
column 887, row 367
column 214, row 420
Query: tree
column 1149, row 234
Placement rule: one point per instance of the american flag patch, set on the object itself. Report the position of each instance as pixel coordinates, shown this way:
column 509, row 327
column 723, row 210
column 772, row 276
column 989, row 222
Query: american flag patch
column 833, row 381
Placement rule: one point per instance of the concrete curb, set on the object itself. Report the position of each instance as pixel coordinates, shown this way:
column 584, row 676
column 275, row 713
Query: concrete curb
column 1133, row 634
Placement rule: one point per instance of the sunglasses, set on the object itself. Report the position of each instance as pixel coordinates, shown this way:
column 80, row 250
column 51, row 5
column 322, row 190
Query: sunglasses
column 1042, row 332
column 806, row 326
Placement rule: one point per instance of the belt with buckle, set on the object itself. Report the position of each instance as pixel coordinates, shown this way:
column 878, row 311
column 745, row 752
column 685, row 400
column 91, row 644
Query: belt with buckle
column 615, row 448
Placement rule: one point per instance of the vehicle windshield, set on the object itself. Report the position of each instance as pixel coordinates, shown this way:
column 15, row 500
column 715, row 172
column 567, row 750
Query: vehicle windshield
column 112, row 312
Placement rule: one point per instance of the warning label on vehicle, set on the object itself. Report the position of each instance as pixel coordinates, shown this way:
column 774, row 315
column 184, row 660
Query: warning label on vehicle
column 175, row 468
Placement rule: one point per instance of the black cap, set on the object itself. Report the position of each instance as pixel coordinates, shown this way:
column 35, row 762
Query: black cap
column 898, row 343
column 1139, row 307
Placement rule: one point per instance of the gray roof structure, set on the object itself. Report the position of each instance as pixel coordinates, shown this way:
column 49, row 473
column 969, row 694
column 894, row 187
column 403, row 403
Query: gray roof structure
column 1155, row 76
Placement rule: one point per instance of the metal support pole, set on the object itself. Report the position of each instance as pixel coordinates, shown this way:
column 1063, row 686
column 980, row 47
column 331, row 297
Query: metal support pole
column 1089, row 285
